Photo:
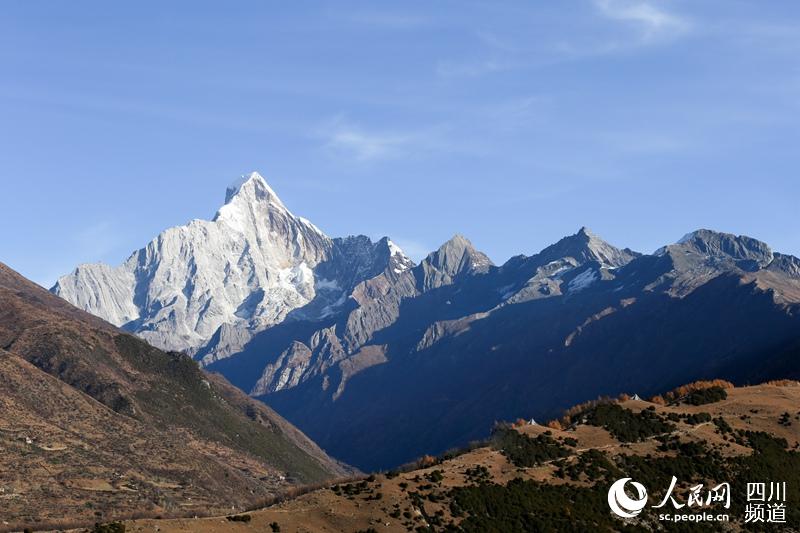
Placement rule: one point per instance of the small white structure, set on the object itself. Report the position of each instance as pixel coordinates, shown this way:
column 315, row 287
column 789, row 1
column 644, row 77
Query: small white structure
column 636, row 397
column 532, row 422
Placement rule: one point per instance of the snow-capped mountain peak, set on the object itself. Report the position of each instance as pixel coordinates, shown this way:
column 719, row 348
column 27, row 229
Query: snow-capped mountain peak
column 207, row 287
column 251, row 187
column 252, row 264
column 249, row 201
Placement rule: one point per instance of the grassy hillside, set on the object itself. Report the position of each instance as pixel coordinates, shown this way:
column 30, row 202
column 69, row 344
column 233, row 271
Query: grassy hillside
column 96, row 424
column 540, row 478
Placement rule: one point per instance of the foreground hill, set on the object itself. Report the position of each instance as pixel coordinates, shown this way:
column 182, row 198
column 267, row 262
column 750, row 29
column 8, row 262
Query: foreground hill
column 94, row 424
column 536, row 478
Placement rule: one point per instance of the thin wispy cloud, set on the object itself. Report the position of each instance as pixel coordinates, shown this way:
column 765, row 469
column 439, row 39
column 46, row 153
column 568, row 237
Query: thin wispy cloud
column 469, row 69
column 588, row 93
column 634, row 23
column 492, row 40
column 518, row 108
column 84, row 103
column 388, row 20
column 352, row 140
column 653, row 21
column 364, row 144
column 646, row 142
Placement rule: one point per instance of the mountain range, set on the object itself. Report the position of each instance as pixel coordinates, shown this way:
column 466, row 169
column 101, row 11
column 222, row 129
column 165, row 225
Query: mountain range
column 380, row 360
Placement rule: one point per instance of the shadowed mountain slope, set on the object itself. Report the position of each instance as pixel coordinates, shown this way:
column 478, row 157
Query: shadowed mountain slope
column 541, row 333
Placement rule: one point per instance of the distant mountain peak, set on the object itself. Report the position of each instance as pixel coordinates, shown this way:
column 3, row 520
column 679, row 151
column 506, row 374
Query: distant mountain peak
column 458, row 239
column 397, row 257
column 750, row 253
column 585, row 246
column 251, row 204
column 458, row 254
column 455, row 257
column 705, row 235
column 456, row 242
column 710, row 235
column 250, row 188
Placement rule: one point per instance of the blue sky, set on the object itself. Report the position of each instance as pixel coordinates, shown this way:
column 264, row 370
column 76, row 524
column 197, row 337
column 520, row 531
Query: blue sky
column 514, row 123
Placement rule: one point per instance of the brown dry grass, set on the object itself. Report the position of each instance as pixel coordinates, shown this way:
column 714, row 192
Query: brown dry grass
column 684, row 390
column 321, row 510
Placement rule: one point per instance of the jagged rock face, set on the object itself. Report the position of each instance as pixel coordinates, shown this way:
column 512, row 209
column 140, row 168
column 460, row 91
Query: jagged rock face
column 386, row 282
column 352, row 260
column 376, row 278
column 357, row 258
column 374, row 305
column 300, row 363
column 585, row 246
column 746, row 252
column 578, row 320
column 709, row 249
column 208, row 287
column 787, row 264
column 379, row 301
column 554, row 271
column 252, row 264
column 454, row 258
column 701, row 255
column 372, row 277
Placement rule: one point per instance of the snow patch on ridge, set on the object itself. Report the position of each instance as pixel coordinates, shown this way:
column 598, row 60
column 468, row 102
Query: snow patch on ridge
column 394, row 249
column 403, row 263
column 327, row 285
column 582, row 281
column 507, row 291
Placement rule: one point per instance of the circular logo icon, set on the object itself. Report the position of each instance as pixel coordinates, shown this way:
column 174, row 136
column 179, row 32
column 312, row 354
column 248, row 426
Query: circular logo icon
column 622, row 504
